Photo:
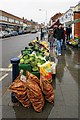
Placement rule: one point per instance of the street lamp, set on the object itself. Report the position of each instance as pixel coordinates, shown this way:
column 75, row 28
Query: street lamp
column 46, row 15
column 45, row 21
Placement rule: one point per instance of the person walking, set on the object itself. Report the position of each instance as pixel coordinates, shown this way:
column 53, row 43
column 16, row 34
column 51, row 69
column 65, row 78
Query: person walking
column 50, row 39
column 42, row 34
column 64, row 40
column 59, row 35
column 68, row 32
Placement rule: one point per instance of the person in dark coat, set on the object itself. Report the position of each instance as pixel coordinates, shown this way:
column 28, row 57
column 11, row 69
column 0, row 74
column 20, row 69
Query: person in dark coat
column 68, row 32
column 59, row 35
column 64, row 40
column 42, row 34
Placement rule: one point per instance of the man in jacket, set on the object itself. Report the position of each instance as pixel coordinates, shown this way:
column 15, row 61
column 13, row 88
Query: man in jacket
column 59, row 35
column 68, row 32
column 42, row 34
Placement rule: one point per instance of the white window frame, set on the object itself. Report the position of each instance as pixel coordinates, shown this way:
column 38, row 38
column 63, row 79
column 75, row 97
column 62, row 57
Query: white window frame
column 11, row 20
column 17, row 21
column 21, row 22
column 3, row 18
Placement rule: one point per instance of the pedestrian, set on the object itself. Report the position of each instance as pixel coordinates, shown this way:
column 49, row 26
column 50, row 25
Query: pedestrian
column 54, row 33
column 50, row 39
column 64, row 40
column 59, row 35
column 68, row 32
column 42, row 34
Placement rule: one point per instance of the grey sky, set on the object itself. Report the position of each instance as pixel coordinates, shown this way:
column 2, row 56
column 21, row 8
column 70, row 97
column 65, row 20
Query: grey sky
column 30, row 8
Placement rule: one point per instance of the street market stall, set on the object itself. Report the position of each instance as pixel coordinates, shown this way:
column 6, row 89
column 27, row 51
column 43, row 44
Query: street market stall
column 74, row 42
column 32, row 85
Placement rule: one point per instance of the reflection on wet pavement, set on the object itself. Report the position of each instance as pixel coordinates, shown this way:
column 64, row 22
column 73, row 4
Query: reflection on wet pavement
column 68, row 63
column 66, row 92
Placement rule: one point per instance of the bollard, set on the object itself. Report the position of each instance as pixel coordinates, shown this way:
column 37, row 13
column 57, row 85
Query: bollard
column 15, row 73
column 37, row 38
column 53, row 68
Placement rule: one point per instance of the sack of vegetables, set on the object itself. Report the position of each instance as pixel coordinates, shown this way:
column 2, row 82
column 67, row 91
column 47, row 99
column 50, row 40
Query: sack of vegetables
column 47, row 89
column 20, row 90
column 34, row 92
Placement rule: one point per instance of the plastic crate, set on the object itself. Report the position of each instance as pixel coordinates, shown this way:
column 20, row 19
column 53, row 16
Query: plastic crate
column 36, row 74
column 25, row 67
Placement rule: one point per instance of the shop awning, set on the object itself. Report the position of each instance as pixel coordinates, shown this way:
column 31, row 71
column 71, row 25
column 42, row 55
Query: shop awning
column 74, row 21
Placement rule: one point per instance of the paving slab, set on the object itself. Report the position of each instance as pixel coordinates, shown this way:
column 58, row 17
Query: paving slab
column 70, row 94
column 64, row 112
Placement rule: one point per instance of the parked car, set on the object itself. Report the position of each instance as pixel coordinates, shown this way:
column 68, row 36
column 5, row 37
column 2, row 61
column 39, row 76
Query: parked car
column 33, row 31
column 27, row 30
column 1, row 35
column 13, row 33
column 20, row 32
column 4, row 34
column 8, row 32
column 24, row 31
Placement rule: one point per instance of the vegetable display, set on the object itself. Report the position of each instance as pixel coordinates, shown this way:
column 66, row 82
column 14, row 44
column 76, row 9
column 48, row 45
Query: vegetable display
column 36, row 54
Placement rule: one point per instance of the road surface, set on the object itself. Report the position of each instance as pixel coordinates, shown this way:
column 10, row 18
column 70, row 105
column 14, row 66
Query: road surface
column 12, row 46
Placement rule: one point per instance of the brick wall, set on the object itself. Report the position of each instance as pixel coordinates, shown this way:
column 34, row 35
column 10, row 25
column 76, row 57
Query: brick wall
column 77, row 25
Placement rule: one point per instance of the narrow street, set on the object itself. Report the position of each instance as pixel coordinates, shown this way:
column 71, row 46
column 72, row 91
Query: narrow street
column 65, row 87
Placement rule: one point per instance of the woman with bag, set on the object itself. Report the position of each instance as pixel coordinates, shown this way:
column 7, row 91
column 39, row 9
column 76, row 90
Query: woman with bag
column 50, row 39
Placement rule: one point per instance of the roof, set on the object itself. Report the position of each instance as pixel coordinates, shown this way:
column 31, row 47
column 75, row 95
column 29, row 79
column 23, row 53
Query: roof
column 77, row 4
column 56, row 16
column 54, row 24
column 11, row 14
column 76, row 11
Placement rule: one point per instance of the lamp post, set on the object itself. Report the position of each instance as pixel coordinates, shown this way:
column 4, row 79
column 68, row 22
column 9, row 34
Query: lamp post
column 45, row 22
column 45, row 15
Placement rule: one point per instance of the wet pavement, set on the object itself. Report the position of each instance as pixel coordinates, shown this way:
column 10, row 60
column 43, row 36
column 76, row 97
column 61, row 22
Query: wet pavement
column 65, row 87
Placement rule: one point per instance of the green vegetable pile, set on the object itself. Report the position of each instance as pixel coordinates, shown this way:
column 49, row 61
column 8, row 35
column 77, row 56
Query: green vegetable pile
column 34, row 55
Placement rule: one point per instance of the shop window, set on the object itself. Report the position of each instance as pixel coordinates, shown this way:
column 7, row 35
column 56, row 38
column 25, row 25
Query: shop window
column 16, row 21
column 66, row 16
column 62, row 18
column 0, row 17
column 11, row 20
column 21, row 22
column 3, row 18
column 69, row 14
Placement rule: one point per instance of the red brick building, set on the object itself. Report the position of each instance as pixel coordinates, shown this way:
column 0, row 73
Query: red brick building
column 77, row 23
